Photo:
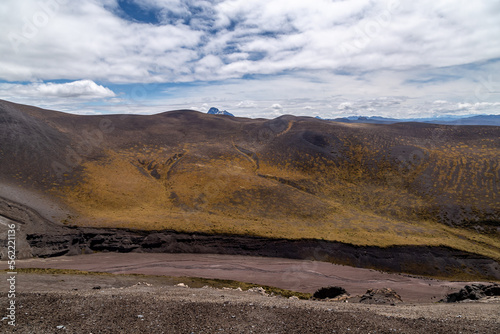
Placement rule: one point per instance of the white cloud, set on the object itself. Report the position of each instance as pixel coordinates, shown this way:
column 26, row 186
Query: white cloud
column 277, row 106
column 475, row 107
column 111, row 48
column 345, row 106
column 70, row 96
column 81, row 88
column 246, row 104
column 85, row 89
column 204, row 107
column 59, row 43
column 426, row 57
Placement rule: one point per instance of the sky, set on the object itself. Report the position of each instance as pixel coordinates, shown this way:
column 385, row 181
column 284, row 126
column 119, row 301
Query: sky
column 254, row 58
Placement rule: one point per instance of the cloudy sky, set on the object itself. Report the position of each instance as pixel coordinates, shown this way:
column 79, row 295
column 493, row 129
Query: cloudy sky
column 255, row 58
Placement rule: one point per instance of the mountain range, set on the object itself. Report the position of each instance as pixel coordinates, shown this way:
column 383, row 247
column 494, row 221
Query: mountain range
column 491, row 120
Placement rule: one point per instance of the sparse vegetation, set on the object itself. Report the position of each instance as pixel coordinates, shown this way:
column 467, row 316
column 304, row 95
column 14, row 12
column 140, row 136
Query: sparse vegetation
column 372, row 190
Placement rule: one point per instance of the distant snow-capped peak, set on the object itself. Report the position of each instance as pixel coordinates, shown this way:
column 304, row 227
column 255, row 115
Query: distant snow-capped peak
column 215, row 111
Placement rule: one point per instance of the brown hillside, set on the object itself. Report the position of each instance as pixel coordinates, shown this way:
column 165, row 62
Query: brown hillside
column 291, row 177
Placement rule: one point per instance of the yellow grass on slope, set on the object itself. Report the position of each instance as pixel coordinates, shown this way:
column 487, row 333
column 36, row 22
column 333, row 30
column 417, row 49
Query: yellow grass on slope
column 117, row 193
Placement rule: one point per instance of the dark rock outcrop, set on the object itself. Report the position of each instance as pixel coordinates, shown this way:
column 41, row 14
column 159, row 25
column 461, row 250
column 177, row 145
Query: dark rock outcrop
column 330, row 292
column 473, row 292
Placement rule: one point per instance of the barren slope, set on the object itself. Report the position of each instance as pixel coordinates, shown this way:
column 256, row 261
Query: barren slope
column 291, row 177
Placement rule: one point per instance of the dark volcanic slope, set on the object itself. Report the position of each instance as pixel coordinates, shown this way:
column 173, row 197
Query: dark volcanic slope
column 291, row 177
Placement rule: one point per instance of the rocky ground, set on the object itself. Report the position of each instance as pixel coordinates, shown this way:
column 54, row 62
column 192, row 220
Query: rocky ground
column 48, row 303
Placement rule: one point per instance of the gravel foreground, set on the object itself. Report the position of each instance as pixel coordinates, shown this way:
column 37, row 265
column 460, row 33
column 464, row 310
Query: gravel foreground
column 53, row 304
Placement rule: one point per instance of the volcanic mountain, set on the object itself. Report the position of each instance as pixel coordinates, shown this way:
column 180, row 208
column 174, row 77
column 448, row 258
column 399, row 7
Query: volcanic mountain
column 370, row 185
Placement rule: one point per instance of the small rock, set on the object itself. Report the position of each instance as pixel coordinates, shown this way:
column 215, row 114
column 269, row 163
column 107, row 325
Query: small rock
column 182, row 285
column 260, row 290
column 60, row 327
column 144, row 283
column 381, row 296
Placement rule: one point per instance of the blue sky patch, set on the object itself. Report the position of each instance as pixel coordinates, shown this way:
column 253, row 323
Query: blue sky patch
column 131, row 11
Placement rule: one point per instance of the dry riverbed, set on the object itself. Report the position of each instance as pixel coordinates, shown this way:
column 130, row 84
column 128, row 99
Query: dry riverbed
column 297, row 275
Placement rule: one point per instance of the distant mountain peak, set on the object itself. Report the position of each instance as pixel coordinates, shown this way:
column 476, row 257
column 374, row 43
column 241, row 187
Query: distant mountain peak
column 215, row 111
column 489, row 120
